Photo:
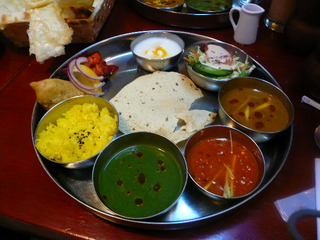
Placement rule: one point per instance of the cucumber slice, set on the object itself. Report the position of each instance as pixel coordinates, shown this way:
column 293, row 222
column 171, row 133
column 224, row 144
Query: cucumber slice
column 210, row 71
column 243, row 74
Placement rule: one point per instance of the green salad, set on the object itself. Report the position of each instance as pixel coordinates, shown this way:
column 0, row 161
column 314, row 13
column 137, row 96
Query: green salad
column 215, row 62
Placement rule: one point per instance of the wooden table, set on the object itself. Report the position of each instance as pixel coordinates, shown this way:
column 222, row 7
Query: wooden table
column 30, row 202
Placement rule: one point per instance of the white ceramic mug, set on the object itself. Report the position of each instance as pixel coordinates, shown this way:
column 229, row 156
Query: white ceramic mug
column 246, row 29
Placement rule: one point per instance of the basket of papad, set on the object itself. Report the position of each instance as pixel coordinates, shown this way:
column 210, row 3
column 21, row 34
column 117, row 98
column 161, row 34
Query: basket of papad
column 52, row 23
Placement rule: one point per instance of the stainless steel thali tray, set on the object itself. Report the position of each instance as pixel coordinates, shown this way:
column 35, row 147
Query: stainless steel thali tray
column 185, row 19
column 193, row 208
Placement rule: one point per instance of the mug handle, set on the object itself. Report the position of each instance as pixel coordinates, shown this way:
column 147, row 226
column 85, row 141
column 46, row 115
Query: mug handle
column 234, row 9
column 295, row 217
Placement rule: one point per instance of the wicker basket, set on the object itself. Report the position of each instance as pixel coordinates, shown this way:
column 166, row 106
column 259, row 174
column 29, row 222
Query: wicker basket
column 84, row 30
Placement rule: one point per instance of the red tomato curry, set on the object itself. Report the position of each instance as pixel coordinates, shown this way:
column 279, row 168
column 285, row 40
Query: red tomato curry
column 223, row 167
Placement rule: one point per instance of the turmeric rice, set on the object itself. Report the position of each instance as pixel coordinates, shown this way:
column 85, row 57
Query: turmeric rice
column 82, row 132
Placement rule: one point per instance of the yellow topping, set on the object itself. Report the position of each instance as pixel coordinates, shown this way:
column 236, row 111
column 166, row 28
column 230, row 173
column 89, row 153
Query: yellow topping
column 159, row 52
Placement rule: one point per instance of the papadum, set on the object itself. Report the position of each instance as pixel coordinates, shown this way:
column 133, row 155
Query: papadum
column 160, row 102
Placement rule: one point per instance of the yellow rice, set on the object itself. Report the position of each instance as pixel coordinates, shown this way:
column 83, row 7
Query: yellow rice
column 80, row 133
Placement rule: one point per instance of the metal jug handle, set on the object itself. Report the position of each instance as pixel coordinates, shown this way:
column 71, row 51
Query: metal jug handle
column 294, row 218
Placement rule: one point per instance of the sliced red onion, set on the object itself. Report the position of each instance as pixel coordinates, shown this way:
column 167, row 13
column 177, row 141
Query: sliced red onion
column 79, row 85
column 72, row 77
column 83, row 60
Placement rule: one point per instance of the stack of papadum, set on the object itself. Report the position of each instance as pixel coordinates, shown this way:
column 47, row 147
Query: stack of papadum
column 160, row 102
column 48, row 25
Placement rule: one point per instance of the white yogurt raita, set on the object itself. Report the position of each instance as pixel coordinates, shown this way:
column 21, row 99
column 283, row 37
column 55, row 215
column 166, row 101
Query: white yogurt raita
column 157, row 48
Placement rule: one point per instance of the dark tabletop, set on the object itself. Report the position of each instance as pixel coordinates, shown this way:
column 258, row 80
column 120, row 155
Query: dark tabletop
column 32, row 203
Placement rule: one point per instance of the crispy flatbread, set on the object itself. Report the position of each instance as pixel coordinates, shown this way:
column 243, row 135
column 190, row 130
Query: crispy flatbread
column 160, row 102
column 48, row 38
column 48, row 25
column 51, row 91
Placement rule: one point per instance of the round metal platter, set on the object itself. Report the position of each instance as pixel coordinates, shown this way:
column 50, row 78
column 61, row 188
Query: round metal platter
column 193, row 208
column 187, row 19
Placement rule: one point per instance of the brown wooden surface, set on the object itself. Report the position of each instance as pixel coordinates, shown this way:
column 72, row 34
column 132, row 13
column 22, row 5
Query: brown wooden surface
column 32, row 203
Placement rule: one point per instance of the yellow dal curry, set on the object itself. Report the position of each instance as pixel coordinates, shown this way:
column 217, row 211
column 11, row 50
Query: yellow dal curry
column 256, row 109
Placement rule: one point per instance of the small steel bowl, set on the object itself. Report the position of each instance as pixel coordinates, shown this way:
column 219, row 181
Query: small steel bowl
column 198, row 7
column 157, row 64
column 222, row 133
column 175, row 8
column 140, row 175
column 56, row 112
column 212, row 84
column 261, row 85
